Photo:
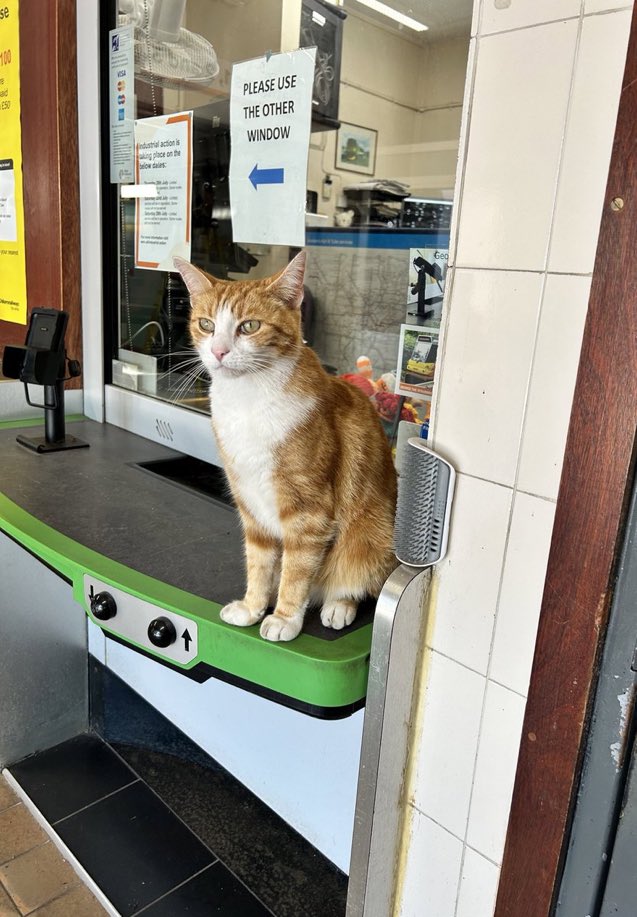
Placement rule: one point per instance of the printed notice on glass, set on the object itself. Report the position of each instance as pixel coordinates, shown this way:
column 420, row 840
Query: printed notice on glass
column 270, row 119
column 163, row 158
column 417, row 356
column 13, row 288
column 122, row 104
column 8, row 222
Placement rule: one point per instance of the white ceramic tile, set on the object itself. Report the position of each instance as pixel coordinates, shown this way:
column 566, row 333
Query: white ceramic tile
column 600, row 6
column 486, row 366
column 557, row 354
column 589, row 137
column 522, row 588
column 462, row 149
column 475, row 16
column 498, row 15
column 468, row 578
column 432, row 871
column 516, row 130
column 495, row 771
column 478, row 886
column 448, row 742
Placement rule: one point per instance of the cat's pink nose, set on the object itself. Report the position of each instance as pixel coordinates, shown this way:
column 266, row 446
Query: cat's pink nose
column 220, row 353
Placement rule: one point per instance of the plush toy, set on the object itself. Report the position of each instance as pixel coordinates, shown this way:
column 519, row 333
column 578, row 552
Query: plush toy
column 360, row 382
column 386, row 383
column 387, row 404
column 366, row 370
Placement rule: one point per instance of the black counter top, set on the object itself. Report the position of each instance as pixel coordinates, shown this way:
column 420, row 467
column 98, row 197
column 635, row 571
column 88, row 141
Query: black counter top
column 98, row 498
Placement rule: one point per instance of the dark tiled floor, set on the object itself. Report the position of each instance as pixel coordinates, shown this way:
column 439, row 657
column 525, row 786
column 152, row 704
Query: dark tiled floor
column 72, row 775
column 289, row 875
column 286, row 872
column 139, row 849
column 213, row 891
column 206, row 847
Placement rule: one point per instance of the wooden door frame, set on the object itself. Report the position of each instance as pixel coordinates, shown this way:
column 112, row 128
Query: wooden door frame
column 589, row 521
column 48, row 101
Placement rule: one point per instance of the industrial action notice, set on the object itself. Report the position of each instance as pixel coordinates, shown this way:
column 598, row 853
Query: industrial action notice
column 270, row 118
column 163, row 159
column 13, row 289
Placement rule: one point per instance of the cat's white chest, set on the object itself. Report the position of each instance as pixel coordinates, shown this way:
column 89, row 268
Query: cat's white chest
column 252, row 417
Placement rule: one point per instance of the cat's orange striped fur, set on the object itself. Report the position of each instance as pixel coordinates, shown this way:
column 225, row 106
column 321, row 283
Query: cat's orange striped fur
column 308, row 463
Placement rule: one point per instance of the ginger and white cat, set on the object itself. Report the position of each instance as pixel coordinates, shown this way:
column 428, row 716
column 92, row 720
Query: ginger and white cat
column 308, row 463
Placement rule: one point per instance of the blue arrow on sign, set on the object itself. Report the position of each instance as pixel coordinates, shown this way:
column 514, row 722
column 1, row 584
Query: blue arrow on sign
column 266, row 176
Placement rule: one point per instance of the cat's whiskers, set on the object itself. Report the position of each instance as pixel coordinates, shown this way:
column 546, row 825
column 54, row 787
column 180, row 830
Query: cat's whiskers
column 185, row 385
column 257, row 365
column 264, row 361
column 186, row 381
column 193, row 358
column 179, row 370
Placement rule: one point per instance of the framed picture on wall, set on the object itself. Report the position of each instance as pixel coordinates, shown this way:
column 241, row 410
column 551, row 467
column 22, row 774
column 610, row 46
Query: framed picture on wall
column 356, row 148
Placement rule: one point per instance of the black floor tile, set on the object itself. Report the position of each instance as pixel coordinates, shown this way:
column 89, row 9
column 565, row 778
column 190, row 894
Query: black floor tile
column 72, row 775
column 213, row 893
column 279, row 866
column 134, row 847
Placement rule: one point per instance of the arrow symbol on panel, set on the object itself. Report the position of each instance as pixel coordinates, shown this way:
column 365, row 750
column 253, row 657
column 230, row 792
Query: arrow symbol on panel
column 266, row 176
column 187, row 639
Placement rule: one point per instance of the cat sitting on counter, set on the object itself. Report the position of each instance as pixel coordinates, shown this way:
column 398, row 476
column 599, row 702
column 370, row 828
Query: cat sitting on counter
column 308, row 463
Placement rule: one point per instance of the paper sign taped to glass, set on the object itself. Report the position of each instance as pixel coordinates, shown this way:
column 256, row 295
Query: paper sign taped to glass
column 122, row 104
column 13, row 289
column 270, row 119
column 163, row 157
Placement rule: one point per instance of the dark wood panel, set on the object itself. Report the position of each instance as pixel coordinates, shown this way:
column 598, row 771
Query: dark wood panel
column 69, row 178
column 589, row 518
column 50, row 164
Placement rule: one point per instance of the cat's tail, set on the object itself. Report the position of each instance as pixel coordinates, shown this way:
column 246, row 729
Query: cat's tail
column 359, row 561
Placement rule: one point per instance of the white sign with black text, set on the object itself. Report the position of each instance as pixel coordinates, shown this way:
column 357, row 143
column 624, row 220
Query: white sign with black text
column 163, row 159
column 122, row 104
column 270, row 118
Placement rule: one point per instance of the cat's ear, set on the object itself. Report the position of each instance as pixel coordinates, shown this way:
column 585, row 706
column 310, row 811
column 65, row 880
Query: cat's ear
column 288, row 283
column 196, row 281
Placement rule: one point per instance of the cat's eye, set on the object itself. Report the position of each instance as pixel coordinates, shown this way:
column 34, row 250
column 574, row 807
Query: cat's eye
column 250, row 326
column 207, row 325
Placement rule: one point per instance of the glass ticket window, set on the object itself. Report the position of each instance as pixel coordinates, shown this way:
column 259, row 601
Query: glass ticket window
column 385, row 121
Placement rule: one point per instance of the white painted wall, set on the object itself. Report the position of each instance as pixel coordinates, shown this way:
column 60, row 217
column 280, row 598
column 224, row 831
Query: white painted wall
column 542, row 94
column 411, row 95
column 436, row 133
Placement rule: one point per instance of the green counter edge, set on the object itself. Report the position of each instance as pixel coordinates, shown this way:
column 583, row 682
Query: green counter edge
column 323, row 673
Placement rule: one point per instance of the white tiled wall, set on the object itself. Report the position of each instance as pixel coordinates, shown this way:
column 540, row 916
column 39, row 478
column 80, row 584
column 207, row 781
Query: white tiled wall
column 518, row 14
column 470, row 573
column 489, row 339
column 559, row 339
column 444, row 775
column 478, row 885
column 543, row 89
column 521, row 591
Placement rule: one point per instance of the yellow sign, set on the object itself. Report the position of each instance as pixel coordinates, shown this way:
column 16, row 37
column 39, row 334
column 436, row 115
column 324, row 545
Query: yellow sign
column 13, row 280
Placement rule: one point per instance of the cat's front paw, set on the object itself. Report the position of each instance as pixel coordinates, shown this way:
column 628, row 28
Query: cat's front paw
column 338, row 614
column 277, row 628
column 239, row 614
